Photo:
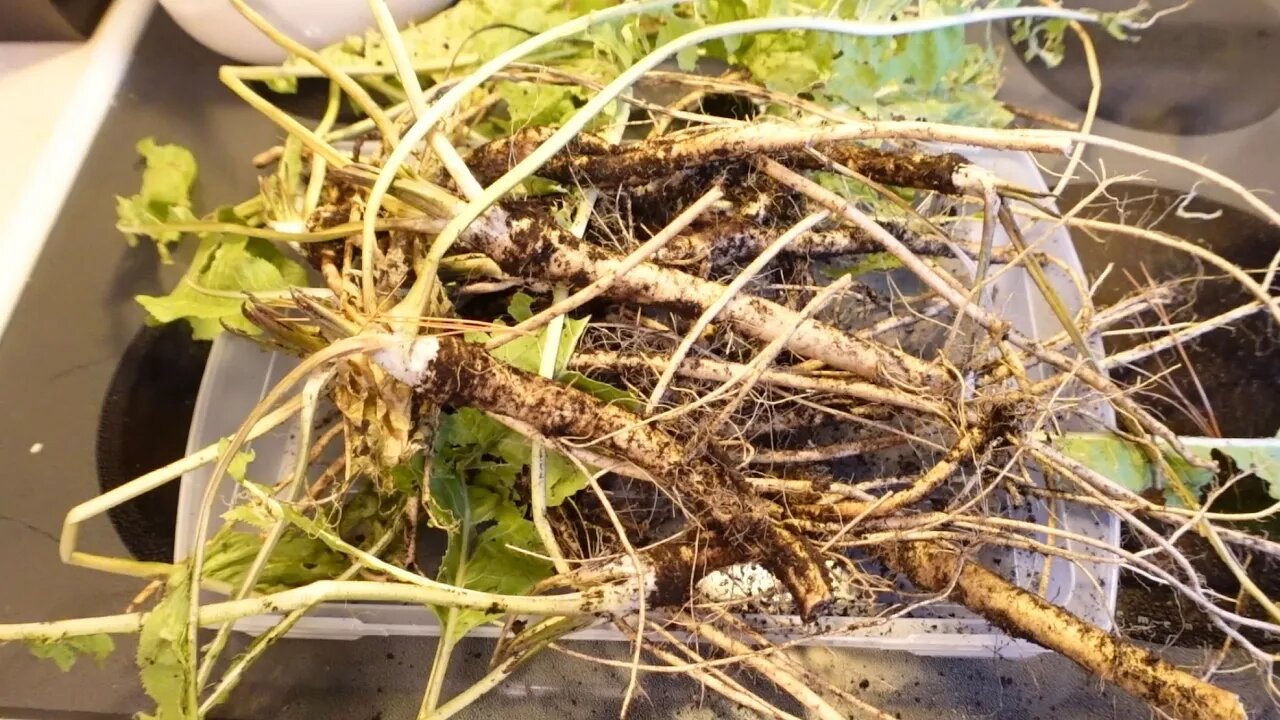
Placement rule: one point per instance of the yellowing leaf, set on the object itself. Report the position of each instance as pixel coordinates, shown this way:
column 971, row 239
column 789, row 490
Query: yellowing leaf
column 252, row 515
column 169, row 172
column 239, row 465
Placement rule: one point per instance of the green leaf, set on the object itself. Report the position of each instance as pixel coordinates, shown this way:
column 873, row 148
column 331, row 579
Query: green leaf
column 164, row 651
column 604, row 391
column 407, row 477
column 563, row 478
column 873, row 262
column 789, row 62
column 525, row 352
column 620, row 42
column 1045, row 39
column 169, row 173
column 853, row 81
column 297, row 559
column 483, row 28
column 1120, row 24
column 935, row 76
column 866, row 196
column 674, row 26
column 238, row 468
column 933, row 55
column 1124, row 463
column 473, row 452
column 494, row 567
column 723, row 11
column 569, row 337
column 477, row 558
column 534, row 104
column 475, row 466
column 66, row 651
column 468, row 427
column 228, row 265
column 520, row 307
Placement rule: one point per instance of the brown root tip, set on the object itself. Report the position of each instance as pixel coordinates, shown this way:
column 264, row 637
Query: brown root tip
column 813, row 608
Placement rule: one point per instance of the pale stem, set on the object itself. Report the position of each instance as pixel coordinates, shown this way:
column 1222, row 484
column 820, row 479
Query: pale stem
column 319, row 166
column 144, row 484
column 297, row 482
column 367, row 104
column 538, row 460
column 613, row 599
column 441, row 109
column 597, row 288
column 233, row 674
column 229, row 77
column 709, row 315
column 332, row 353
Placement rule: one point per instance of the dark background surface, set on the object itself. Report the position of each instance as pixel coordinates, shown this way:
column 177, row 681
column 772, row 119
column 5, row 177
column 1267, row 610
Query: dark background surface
column 72, row 327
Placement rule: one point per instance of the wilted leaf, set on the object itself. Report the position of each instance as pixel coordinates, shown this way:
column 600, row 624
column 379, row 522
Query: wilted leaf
column 297, row 559
column 210, row 296
column 251, row 514
column 66, row 651
column 170, row 171
column 164, row 651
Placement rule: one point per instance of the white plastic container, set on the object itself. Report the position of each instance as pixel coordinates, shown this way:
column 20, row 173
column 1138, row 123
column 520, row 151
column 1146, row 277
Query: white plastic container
column 239, row 373
column 217, row 24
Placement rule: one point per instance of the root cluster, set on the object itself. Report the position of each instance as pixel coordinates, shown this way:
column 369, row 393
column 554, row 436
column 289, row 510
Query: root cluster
column 769, row 354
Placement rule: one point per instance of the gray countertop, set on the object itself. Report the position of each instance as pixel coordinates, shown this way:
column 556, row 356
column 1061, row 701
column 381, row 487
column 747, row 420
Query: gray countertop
column 74, row 322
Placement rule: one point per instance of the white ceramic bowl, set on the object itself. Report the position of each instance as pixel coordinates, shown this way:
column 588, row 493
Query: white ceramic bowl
column 315, row 23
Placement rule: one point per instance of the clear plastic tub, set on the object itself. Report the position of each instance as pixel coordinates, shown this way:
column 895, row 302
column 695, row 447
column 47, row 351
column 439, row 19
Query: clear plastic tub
column 239, row 373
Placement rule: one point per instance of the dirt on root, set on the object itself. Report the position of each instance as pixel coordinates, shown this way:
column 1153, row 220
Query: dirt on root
column 590, row 160
column 463, row 373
